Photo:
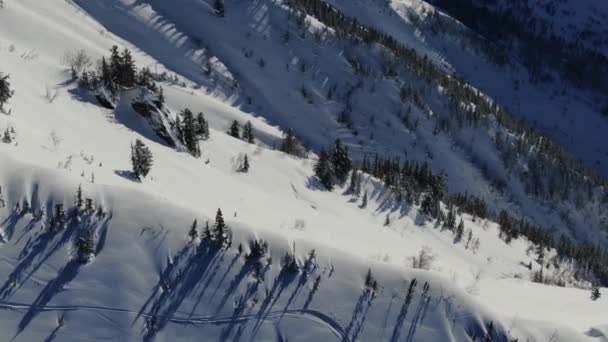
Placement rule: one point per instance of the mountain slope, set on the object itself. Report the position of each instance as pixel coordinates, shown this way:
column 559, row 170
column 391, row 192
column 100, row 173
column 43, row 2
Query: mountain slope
column 148, row 281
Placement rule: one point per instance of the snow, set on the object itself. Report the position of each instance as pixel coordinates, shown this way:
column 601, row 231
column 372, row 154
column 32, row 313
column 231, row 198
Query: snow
column 142, row 243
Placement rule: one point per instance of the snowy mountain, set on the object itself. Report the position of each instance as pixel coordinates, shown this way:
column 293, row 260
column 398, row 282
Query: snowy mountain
column 359, row 171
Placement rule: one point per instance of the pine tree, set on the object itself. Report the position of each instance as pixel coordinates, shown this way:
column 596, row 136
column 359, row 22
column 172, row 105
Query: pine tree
column 245, row 165
column 354, row 179
column 115, row 66
column 220, row 230
column 234, row 130
column 324, row 171
column 128, row 71
column 340, row 160
column 595, row 293
column 6, row 138
column 202, row 126
column 193, row 233
column 79, row 200
column 60, row 218
column 190, row 132
column 459, row 232
column 85, row 247
column 141, row 159
column 364, row 201
column 207, row 234
column 288, row 145
column 248, row 134
column 5, row 90
column 218, row 7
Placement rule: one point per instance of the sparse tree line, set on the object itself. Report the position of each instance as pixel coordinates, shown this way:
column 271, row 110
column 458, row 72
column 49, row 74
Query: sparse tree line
column 566, row 176
column 573, row 178
column 113, row 73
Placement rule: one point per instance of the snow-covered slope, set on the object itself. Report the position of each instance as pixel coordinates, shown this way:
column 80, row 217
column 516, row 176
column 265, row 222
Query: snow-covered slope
column 148, row 281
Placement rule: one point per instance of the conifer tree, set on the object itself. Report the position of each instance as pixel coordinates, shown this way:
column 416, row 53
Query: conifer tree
column 324, row 171
column 220, row 230
column 85, row 247
column 218, row 7
column 141, row 159
column 193, row 233
column 354, row 179
column 128, row 71
column 364, row 201
column 248, row 134
column 202, row 126
column 245, row 165
column 235, row 130
column 207, row 234
column 5, row 90
column 60, row 218
column 595, row 293
column 340, row 160
column 190, row 132
column 79, row 200
column 459, row 232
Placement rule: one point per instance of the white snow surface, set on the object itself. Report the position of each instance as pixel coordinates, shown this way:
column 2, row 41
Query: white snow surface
column 146, row 270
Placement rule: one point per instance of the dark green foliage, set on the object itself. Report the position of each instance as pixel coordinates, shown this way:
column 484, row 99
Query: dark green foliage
column 234, row 130
column 221, row 234
column 595, row 293
column 248, row 134
column 141, row 159
column 193, row 233
column 341, row 161
column 202, row 126
column 190, row 132
column 324, row 170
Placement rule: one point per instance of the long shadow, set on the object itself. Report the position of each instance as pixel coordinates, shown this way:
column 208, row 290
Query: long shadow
column 245, row 270
column 10, row 223
column 65, row 276
column 210, row 278
column 302, row 281
column 53, row 334
column 403, row 312
column 221, row 281
column 359, row 315
column 283, row 280
column 424, row 302
column 164, row 278
column 181, row 287
column 34, row 256
column 239, row 310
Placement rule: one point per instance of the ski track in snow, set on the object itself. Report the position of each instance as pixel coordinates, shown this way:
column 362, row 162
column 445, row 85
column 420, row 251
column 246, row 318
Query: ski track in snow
column 311, row 315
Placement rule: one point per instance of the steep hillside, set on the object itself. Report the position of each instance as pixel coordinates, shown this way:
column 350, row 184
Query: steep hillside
column 90, row 249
